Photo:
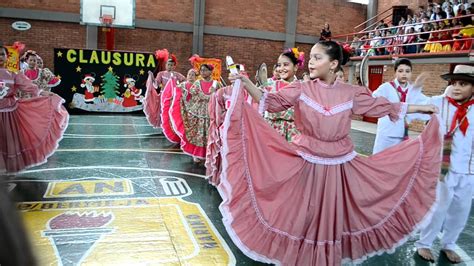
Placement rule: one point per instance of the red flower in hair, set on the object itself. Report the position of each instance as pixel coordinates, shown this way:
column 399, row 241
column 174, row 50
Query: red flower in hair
column 162, row 54
column 19, row 46
column 173, row 58
column 194, row 59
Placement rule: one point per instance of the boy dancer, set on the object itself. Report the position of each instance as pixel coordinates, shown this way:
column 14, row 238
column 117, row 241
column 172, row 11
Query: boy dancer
column 398, row 90
column 455, row 189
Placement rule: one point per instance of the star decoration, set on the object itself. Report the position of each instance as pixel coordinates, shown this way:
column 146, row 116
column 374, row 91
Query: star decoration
column 110, row 69
column 73, row 89
column 60, row 54
column 78, row 69
column 142, row 71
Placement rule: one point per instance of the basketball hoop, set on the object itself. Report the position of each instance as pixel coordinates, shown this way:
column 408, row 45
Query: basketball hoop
column 107, row 20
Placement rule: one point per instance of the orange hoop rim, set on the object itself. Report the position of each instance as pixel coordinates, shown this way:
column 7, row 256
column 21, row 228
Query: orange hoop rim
column 107, row 20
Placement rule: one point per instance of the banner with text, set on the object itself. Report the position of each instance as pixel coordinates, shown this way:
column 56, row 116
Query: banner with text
column 102, row 81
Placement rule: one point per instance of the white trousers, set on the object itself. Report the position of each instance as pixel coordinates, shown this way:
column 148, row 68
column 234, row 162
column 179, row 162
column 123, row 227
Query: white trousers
column 451, row 215
column 383, row 142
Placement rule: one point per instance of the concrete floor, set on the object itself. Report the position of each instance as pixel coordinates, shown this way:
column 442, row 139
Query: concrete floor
column 118, row 193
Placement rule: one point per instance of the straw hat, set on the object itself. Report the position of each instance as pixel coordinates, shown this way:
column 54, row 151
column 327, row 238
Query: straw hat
column 461, row 72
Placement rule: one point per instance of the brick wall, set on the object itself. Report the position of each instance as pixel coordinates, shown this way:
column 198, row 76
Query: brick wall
column 312, row 14
column 269, row 15
column 412, row 4
column 73, row 6
column 166, row 10
column 44, row 36
column 250, row 52
column 147, row 40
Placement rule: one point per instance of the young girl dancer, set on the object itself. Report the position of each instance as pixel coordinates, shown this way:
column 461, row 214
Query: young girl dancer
column 315, row 201
column 30, row 129
column 193, row 124
column 288, row 63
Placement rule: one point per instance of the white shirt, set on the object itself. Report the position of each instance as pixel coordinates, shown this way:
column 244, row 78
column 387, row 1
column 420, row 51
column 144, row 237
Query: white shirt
column 462, row 159
column 385, row 126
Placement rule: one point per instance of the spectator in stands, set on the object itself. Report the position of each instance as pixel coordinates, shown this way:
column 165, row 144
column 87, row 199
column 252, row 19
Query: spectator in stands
column 421, row 12
column 325, row 33
column 445, row 5
column 391, row 28
column 389, row 40
column 449, row 12
column 459, row 43
column 461, row 10
column 424, row 36
column 466, row 4
column 438, row 13
column 410, row 49
column 446, row 37
column 433, row 38
column 469, row 11
column 356, row 44
column 455, row 7
column 375, row 42
column 381, row 25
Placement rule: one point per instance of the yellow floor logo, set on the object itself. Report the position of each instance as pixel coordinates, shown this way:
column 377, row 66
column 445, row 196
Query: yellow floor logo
column 111, row 187
column 132, row 231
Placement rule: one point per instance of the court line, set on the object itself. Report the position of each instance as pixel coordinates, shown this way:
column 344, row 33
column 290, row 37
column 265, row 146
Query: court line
column 102, row 124
column 109, row 167
column 86, row 136
column 177, row 151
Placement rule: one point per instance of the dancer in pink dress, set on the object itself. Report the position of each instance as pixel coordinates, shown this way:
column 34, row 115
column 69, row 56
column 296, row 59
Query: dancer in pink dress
column 218, row 105
column 171, row 105
column 315, row 201
column 193, row 124
column 288, row 63
column 30, row 129
column 154, row 85
column 43, row 77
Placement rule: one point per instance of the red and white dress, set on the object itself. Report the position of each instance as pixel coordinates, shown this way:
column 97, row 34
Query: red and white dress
column 193, row 123
column 171, row 108
column 315, row 201
column 30, row 129
column 44, row 78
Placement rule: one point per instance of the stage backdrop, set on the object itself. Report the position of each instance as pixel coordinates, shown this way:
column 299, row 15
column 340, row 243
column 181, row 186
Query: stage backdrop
column 102, row 81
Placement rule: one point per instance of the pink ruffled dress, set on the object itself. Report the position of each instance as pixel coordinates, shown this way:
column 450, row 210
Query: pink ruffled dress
column 152, row 102
column 193, row 124
column 178, row 93
column 167, row 100
column 315, row 201
column 30, row 129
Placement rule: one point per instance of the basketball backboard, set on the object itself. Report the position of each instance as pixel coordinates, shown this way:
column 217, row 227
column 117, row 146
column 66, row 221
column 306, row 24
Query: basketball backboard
column 122, row 12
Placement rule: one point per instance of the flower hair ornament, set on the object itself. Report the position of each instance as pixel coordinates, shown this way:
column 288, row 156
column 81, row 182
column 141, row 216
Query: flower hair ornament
column 28, row 54
column 299, row 57
column 19, row 46
column 162, row 55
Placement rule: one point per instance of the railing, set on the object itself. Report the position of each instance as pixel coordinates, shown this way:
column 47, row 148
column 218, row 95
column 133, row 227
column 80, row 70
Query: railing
column 372, row 18
column 397, row 44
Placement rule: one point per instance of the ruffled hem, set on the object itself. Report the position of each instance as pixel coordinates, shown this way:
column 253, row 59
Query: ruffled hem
column 38, row 153
column 179, row 128
column 213, row 143
column 262, row 105
column 193, row 150
column 252, row 232
column 151, row 104
column 166, row 102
